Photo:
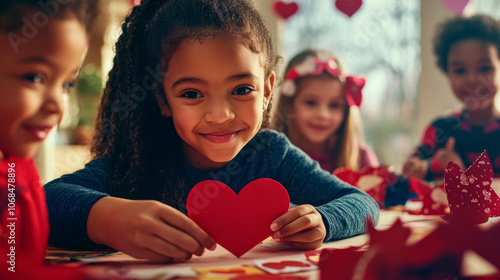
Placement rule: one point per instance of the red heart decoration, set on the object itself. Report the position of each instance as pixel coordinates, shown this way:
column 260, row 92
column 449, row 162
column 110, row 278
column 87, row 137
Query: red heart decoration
column 237, row 222
column 285, row 10
column 470, row 196
column 348, row 7
column 372, row 180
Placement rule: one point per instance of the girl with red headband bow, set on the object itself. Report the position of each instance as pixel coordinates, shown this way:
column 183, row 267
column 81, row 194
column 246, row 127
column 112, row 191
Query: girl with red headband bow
column 318, row 111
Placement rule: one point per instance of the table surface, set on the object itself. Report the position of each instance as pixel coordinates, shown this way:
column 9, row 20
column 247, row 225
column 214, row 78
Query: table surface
column 420, row 226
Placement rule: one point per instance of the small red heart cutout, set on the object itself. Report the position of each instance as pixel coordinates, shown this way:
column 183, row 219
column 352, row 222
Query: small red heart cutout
column 283, row 264
column 237, row 222
column 285, row 10
column 348, row 7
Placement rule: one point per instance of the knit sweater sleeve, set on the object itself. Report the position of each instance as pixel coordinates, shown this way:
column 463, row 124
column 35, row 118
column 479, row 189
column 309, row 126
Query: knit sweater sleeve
column 69, row 200
column 344, row 208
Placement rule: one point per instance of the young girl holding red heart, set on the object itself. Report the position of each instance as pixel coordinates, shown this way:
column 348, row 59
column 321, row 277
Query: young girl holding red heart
column 42, row 44
column 189, row 90
column 318, row 111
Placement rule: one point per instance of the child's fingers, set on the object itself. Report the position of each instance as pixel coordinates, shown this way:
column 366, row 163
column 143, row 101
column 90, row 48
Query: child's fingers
column 282, row 226
column 152, row 256
column 409, row 166
column 300, row 224
column 307, row 236
column 184, row 224
column 304, row 245
column 166, row 248
column 450, row 144
column 177, row 243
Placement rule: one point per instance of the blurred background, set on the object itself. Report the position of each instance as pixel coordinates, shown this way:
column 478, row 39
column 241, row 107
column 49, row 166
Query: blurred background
column 389, row 42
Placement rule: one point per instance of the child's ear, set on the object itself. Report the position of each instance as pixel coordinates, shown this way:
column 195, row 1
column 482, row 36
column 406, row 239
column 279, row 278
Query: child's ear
column 165, row 111
column 162, row 101
column 268, row 88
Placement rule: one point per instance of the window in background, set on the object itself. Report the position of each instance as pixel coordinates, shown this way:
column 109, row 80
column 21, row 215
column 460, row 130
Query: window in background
column 380, row 42
column 487, row 7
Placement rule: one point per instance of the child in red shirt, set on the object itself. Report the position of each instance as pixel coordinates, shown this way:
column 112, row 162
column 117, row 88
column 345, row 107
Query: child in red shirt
column 42, row 44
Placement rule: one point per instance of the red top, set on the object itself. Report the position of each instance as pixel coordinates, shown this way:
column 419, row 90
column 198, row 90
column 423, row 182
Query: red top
column 24, row 224
column 24, row 220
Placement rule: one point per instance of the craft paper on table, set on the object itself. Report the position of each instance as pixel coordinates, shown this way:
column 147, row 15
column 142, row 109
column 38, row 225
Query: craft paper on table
column 390, row 255
column 162, row 272
column 237, row 222
column 470, row 196
column 372, row 180
column 313, row 256
column 274, row 244
column 433, row 201
column 274, row 266
column 271, row 277
column 228, row 272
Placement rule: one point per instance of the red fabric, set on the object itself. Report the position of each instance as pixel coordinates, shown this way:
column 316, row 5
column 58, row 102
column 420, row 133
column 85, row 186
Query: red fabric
column 24, row 224
column 31, row 232
column 429, row 138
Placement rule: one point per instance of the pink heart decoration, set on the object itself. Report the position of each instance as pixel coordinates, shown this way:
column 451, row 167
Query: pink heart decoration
column 285, row 10
column 456, row 6
column 348, row 7
column 237, row 222
column 470, row 196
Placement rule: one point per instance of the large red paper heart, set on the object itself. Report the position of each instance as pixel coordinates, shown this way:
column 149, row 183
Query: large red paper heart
column 285, row 10
column 237, row 222
column 470, row 196
column 348, row 7
column 372, row 180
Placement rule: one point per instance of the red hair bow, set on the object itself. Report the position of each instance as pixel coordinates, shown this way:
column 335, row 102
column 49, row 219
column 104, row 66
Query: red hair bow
column 314, row 66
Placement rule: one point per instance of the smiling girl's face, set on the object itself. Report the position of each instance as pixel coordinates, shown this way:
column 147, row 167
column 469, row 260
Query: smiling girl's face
column 34, row 79
column 317, row 112
column 216, row 91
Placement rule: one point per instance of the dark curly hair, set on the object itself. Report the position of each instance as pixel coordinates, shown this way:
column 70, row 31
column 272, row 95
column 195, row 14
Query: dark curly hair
column 142, row 146
column 457, row 29
column 12, row 11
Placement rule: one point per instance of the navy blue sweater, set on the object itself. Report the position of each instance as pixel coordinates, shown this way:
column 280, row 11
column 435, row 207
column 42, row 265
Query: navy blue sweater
column 269, row 154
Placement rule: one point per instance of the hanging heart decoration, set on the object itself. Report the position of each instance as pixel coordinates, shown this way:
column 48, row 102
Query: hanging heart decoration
column 348, row 7
column 456, row 6
column 285, row 10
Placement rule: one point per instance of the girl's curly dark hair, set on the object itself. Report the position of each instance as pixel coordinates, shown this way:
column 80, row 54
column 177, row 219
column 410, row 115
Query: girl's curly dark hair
column 142, row 146
column 12, row 11
column 457, row 29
